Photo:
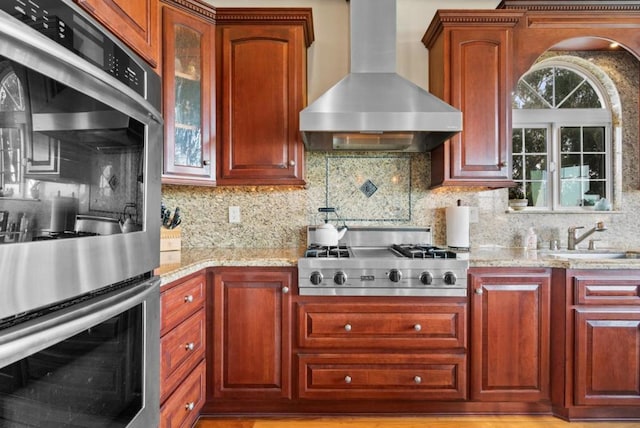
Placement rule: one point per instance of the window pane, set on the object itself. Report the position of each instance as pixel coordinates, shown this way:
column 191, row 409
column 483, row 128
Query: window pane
column 570, row 139
column 566, row 81
column 542, row 82
column 593, row 139
column 516, row 140
column 535, row 164
column 584, row 97
column 596, row 165
column 537, row 192
column 535, row 140
column 571, row 167
column 525, row 98
column 571, row 193
column 594, row 190
column 517, row 167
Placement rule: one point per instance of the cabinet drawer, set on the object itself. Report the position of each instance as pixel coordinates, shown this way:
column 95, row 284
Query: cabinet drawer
column 606, row 290
column 179, row 302
column 182, row 408
column 181, row 349
column 382, row 376
column 392, row 326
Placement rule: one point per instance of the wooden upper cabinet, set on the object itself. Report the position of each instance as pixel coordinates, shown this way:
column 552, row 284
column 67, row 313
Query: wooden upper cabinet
column 469, row 68
column 189, row 96
column 134, row 22
column 262, row 86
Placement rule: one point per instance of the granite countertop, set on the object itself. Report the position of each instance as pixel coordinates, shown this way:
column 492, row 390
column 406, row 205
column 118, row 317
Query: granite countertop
column 194, row 259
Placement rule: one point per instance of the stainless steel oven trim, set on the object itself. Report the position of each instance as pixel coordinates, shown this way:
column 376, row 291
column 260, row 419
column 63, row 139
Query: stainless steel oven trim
column 25, row 339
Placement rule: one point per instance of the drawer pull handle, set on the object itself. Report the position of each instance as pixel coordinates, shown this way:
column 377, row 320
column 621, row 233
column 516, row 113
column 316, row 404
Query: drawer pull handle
column 188, row 299
column 285, row 290
column 479, row 291
column 347, row 379
column 347, row 327
column 190, row 406
column 190, row 346
column 417, row 327
column 417, row 379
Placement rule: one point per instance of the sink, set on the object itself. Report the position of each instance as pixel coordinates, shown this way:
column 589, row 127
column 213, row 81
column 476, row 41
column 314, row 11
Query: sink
column 589, row 255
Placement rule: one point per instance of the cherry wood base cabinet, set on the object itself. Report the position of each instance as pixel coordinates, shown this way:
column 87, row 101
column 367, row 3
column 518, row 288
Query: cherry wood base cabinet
column 262, row 86
column 250, row 352
column 510, row 316
column 382, row 348
column 597, row 363
column 182, row 351
column 133, row 22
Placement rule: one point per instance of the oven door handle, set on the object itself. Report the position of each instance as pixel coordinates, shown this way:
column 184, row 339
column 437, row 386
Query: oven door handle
column 27, row 338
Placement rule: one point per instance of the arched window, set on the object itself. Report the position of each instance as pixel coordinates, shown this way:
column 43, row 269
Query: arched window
column 561, row 138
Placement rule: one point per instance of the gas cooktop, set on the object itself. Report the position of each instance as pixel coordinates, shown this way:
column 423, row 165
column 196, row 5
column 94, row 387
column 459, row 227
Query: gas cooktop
column 393, row 261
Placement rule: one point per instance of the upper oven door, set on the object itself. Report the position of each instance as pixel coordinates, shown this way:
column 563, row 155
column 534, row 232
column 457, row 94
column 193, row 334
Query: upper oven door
column 80, row 159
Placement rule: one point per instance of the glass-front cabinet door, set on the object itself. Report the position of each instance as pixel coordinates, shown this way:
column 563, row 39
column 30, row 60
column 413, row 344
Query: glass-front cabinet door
column 188, row 99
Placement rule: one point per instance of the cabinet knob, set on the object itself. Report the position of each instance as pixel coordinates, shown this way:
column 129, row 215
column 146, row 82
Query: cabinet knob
column 190, row 346
column 190, row 406
column 292, row 163
column 479, row 291
column 188, row 299
column 347, row 379
column 206, row 162
column 417, row 379
column 417, row 327
column 347, row 327
column 285, row 290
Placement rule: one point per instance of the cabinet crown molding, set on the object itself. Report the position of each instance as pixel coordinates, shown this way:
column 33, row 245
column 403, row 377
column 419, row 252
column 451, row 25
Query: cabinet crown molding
column 201, row 8
column 571, row 5
column 272, row 15
column 470, row 17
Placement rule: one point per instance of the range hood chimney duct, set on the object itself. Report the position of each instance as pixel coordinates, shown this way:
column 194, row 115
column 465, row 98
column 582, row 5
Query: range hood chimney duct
column 373, row 108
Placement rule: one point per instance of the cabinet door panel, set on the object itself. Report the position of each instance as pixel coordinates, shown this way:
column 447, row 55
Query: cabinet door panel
column 480, row 90
column 607, row 357
column 189, row 149
column 251, row 322
column 262, row 68
column 510, row 337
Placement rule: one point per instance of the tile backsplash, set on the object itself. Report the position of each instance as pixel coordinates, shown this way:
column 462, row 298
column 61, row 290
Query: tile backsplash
column 369, row 188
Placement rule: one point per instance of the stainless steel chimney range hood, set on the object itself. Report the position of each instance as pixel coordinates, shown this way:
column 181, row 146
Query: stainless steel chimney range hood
column 373, row 108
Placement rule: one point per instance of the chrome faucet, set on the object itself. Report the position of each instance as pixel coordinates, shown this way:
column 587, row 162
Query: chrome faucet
column 575, row 240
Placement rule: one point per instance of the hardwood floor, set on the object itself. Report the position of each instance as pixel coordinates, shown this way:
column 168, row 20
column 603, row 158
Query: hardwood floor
column 410, row 422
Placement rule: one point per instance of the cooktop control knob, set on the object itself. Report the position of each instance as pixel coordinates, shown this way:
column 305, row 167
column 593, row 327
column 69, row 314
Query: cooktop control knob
column 340, row 278
column 395, row 275
column 316, row 278
column 450, row 278
column 426, row 278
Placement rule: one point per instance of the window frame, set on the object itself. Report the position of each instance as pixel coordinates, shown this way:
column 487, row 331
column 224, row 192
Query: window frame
column 554, row 119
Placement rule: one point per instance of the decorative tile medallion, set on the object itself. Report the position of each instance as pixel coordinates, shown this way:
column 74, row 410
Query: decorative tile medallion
column 369, row 188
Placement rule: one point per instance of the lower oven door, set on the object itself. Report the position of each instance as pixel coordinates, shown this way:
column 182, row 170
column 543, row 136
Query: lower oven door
column 92, row 364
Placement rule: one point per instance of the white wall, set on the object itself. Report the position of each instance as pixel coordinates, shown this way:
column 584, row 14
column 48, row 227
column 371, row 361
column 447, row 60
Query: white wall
column 329, row 54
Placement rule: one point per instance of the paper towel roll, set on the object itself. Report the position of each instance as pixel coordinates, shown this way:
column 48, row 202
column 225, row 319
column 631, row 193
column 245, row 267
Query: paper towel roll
column 458, row 227
column 63, row 213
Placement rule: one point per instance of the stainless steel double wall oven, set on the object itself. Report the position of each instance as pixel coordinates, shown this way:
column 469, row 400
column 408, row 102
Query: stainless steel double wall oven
column 80, row 154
